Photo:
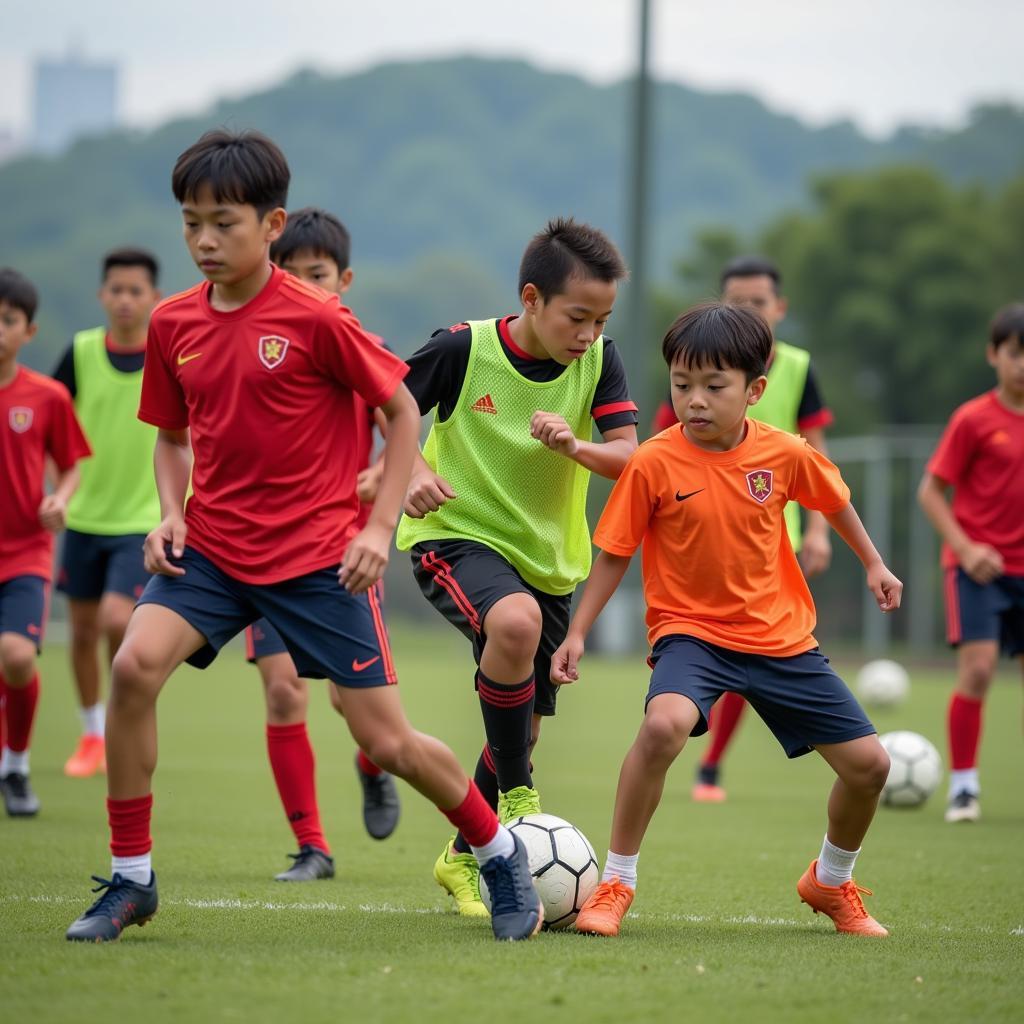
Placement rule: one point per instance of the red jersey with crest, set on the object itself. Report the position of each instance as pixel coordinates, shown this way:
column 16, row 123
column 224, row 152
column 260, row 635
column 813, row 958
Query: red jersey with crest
column 37, row 419
column 267, row 393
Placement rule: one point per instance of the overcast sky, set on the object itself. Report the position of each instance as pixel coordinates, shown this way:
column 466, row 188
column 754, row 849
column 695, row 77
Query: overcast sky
column 879, row 62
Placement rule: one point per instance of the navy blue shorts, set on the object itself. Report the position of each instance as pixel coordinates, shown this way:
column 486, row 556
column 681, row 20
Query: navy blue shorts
column 993, row 611
column 93, row 565
column 262, row 641
column 24, row 607
column 330, row 633
column 801, row 699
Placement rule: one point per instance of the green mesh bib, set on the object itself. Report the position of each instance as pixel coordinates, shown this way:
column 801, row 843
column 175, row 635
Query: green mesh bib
column 514, row 494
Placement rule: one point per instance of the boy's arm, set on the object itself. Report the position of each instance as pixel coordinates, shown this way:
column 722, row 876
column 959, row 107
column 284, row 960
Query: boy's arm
column 53, row 508
column 888, row 590
column 816, row 548
column 172, row 466
column 980, row 561
column 606, row 458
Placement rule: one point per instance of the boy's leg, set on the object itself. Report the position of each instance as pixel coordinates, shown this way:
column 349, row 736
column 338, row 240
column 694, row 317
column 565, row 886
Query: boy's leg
column 976, row 666
column 724, row 720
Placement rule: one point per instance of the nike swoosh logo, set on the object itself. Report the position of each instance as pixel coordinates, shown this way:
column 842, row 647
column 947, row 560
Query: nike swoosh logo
column 358, row 666
column 182, row 360
column 683, row 497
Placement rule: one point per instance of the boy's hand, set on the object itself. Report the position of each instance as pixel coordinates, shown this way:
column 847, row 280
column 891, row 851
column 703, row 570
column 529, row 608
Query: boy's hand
column 368, row 481
column 53, row 513
column 981, row 562
column 815, row 552
column 427, row 493
column 888, row 590
column 170, row 533
column 365, row 559
column 565, row 661
column 552, row 430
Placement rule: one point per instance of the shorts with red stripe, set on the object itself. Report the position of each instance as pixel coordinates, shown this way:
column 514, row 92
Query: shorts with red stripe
column 330, row 633
column 463, row 580
column 25, row 607
column 985, row 611
column 262, row 641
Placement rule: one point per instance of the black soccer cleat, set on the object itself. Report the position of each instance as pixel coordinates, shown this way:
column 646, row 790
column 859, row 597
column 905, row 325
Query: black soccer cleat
column 310, row 864
column 122, row 904
column 19, row 797
column 381, row 806
column 516, row 910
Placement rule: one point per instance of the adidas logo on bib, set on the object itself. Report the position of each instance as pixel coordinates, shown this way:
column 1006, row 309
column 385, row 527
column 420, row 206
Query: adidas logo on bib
column 485, row 404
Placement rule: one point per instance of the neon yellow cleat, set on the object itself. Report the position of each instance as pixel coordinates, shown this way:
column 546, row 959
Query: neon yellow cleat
column 516, row 803
column 459, row 875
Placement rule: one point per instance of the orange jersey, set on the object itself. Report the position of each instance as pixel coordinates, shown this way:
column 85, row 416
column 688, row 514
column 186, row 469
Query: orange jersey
column 717, row 562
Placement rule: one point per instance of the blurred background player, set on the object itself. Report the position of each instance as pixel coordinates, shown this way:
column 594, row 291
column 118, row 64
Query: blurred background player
column 981, row 456
column 792, row 401
column 116, row 505
column 496, row 510
column 37, row 421
column 316, row 247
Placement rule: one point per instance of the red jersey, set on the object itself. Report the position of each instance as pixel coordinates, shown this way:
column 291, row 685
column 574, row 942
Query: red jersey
column 37, row 418
column 981, row 455
column 364, row 441
column 267, row 393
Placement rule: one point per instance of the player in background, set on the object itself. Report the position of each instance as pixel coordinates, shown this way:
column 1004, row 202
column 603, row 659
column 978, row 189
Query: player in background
column 727, row 604
column 37, row 421
column 981, row 456
column 495, row 516
column 793, row 402
column 116, row 505
column 249, row 379
column 316, row 247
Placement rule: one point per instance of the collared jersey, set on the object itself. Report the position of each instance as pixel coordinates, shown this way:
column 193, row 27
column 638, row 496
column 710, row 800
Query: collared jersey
column 267, row 394
column 717, row 561
column 36, row 419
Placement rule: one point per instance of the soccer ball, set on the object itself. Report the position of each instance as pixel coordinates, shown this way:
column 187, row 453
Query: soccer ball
column 914, row 772
column 562, row 863
column 883, row 683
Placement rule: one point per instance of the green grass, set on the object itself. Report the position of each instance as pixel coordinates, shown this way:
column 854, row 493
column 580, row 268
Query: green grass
column 717, row 933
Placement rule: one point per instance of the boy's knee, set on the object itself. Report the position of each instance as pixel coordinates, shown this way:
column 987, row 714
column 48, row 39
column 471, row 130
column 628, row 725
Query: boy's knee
column 133, row 674
column 869, row 773
column 18, row 660
column 516, row 627
column 663, row 734
column 286, row 696
column 391, row 753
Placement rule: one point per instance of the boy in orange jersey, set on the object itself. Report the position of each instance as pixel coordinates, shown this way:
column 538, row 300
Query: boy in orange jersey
column 727, row 605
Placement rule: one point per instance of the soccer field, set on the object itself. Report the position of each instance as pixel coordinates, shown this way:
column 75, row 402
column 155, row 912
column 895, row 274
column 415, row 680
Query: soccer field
column 717, row 932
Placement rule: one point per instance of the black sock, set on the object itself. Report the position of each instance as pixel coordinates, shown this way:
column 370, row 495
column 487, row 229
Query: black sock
column 487, row 782
column 508, row 720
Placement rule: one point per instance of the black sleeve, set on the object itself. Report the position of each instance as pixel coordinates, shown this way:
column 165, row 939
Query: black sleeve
column 65, row 371
column 612, row 406
column 437, row 370
column 812, row 411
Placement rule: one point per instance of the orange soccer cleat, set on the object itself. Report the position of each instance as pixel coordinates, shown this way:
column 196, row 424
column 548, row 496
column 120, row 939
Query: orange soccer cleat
column 705, row 793
column 603, row 912
column 89, row 758
column 840, row 902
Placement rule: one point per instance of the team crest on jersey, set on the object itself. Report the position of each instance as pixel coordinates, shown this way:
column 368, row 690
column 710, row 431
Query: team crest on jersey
column 759, row 483
column 272, row 350
column 20, row 419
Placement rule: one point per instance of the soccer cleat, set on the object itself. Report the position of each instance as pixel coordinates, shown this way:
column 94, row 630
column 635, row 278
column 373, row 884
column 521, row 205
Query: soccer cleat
column 310, row 864
column 516, row 910
column 963, row 806
column 89, row 758
column 459, row 874
column 516, row 803
column 842, row 903
column 603, row 912
column 19, row 797
column 380, row 803
column 706, row 789
column 124, row 903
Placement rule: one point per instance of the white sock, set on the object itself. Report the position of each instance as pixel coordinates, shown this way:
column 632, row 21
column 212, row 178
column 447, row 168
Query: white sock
column 93, row 719
column 622, row 867
column 964, row 780
column 835, row 866
column 13, row 761
column 138, row 869
column 502, row 845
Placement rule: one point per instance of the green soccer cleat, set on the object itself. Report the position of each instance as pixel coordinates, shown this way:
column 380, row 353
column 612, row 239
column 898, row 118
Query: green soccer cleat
column 459, row 874
column 516, row 803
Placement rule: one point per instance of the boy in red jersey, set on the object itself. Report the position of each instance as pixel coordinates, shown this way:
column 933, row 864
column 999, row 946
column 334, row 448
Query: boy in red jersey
column 37, row 420
column 257, row 370
column 981, row 456
column 728, row 608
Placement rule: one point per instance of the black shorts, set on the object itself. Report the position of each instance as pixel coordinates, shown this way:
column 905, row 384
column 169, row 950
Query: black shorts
column 463, row 580
column 985, row 611
column 94, row 564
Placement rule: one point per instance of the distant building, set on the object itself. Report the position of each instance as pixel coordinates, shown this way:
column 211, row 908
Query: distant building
column 73, row 97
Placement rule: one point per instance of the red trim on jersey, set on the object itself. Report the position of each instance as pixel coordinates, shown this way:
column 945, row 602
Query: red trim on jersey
column 822, row 418
column 123, row 350
column 441, row 571
column 613, row 407
column 954, row 631
column 382, row 635
column 664, row 418
column 506, row 336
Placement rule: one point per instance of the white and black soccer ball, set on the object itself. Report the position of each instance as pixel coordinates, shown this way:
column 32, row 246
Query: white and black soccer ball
column 915, row 769
column 562, row 863
column 883, row 683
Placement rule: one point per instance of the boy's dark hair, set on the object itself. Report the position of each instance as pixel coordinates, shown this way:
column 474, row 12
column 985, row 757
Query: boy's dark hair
column 18, row 292
column 128, row 257
column 750, row 266
column 1007, row 323
column 566, row 249
column 313, row 230
column 240, row 167
column 723, row 336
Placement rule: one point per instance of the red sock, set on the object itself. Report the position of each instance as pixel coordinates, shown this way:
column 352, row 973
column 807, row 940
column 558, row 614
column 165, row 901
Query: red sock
column 291, row 758
column 474, row 818
column 726, row 716
column 129, row 826
column 366, row 766
column 20, row 711
column 964, row 727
